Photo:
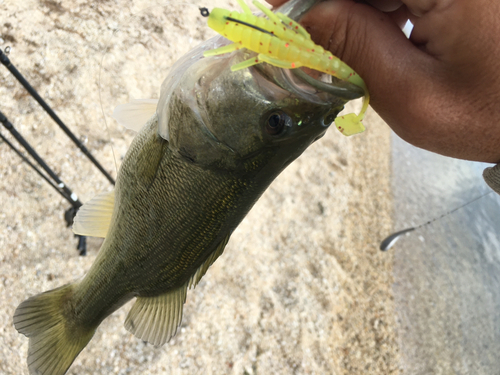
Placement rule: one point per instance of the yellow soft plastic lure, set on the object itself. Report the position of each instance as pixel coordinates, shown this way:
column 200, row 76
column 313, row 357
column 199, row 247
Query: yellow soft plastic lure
column 282, row 42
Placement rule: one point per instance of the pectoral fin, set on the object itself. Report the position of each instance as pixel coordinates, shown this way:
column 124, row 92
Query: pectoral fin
column 94, row 217
column 136, row 113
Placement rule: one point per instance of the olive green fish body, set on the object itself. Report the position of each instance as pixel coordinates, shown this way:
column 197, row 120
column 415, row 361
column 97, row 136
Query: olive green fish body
column 189, row 210
column 192, row 173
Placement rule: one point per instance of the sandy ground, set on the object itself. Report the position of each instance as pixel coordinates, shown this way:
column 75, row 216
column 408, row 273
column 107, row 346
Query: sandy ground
column 301, row 287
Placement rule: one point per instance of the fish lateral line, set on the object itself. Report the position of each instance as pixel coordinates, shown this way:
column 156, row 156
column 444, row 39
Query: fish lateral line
column 284, row 50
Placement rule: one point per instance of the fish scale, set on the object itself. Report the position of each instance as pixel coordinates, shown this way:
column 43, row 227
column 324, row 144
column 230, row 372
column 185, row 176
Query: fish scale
column 178, row 251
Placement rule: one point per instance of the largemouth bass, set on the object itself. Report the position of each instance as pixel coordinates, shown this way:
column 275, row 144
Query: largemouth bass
column 217, row 140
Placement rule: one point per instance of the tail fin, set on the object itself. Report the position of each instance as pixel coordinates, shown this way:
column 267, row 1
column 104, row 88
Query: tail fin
column 54, row 340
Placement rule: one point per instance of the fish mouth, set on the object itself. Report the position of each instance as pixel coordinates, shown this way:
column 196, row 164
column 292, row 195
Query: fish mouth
column 340, row 89
column 296, row 9
column 325, row 89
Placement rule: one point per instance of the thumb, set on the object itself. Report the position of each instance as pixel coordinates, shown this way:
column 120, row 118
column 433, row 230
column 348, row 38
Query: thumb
column 372, row 44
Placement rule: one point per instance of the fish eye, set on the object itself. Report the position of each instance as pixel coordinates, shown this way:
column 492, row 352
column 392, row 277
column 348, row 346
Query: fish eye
column 276, row 123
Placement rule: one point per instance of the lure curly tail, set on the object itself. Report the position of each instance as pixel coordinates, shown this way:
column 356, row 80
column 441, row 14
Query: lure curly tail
column 282, row 42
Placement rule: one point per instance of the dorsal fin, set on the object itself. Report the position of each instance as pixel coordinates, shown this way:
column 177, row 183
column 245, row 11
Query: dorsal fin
column 94, row 217
column 156, row 319
column 136, row 113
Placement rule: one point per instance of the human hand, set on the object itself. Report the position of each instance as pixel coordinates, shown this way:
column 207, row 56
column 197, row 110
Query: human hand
column 440, row 89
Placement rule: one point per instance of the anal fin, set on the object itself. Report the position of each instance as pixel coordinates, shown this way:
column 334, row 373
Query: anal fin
column 156, row 319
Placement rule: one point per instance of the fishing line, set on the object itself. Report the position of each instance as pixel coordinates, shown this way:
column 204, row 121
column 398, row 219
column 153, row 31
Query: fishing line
column 390, row 240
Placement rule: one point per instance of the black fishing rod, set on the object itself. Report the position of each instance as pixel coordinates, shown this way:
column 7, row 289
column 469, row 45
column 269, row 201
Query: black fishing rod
column 6, row 61
column 42, row 175
column 59, row 185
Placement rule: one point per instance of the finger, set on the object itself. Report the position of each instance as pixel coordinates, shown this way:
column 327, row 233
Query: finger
column 448, row 33
column 401, row 15
column 371, row 43
column 386, row 5
column 421, row 7
column 276, row 3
